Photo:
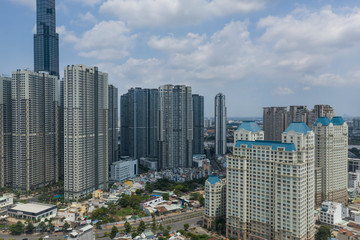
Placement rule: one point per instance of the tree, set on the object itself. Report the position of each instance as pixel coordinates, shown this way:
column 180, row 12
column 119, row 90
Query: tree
column 323, row 233
column 141, row 228
column 166, row 233
column 17, row 229
column 114, row 231
column 166, row 196
column 42, row 226
column 134, row 234
column 66, row 226
column 127, row 227
column 51, row 227
column 186, row 226
column 161, row 227
column 29, row 228
column 168, row 227
column 202, row 200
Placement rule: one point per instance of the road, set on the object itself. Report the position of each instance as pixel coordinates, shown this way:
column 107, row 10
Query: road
column 176, row 222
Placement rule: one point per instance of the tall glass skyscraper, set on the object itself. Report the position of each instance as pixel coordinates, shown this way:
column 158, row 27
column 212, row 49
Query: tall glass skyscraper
column 46, row 40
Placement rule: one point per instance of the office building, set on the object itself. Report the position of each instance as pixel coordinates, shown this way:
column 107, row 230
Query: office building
column 46, row 40
column 220, row 124
column 208, row 123
column 175, row 126
column 331, row 159
column 356, row 123
column 270, row 186
column 124, row 170
column 215, row 201
column 320, row 111
column 113, row 124
column 35, row 129
column 275, row 122
column 33, row 211
column 85, row 131
column 198, row 123
column 61, row 132
column 139, row 123
column 353, row 164
column 5, row 132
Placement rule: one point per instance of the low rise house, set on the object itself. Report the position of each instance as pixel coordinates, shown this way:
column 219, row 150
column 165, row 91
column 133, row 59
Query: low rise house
column 98, row 194
column 345, row 234
column 330, row 213
column 6, row 201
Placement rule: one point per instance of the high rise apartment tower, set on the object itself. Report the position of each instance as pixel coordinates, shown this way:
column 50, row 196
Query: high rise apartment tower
column 113, row 124
column 5, row 132
column 175, row 126
column 220, row 124
column 198, row 121
column 139, row 123
column 46, row 40
column 270, row 185
column 35, row 129
column 85, row 131
column 275, row 122
column 320, row 111
column 331, row 157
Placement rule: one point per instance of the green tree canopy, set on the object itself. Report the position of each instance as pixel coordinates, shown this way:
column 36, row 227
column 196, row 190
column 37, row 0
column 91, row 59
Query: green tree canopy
column 114, row 231
column 127, row 227
column 323, row 233
column 17, row 229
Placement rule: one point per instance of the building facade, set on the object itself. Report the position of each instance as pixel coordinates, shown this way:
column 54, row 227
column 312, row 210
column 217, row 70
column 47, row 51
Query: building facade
column 175, row 126
column 275, row 122
column 330, row 213
column 331, row 159
column 270, row 186
column 123, row 170
column 35, row 129
column 298, row 114
column 198, row 123
column 139, row 123
column 113, row 124
column 318, row 111
column 215, row 200
column 85, row 131
column 46, row 40
column 220, row 124
column 5, row 132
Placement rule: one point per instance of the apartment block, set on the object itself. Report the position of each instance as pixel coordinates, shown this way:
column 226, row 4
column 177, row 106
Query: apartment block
column 215, row 200
column 331, row 159
column 85, row 131
column 270, row 185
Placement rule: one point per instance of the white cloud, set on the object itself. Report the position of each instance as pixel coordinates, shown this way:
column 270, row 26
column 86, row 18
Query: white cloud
column 87, row 18
column 186, row 44
column 87, row 2
column 106, row 40
column 28, row 3
column 155, row 13
column 283, row 91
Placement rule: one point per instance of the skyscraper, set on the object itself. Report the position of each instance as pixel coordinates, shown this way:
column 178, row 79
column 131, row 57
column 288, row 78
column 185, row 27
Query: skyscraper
column 331, row 157
column 35, row 129
column 5, row 132
column 220, row 124
column 198, row 122
column 139, row 123
column 46, row 40
column 113, row 124
column 270, row 185
column 85, row 131
column 275, row 122
column 175, row 126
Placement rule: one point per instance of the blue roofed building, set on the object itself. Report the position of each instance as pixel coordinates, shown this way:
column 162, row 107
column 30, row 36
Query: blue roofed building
column 249, row 130
column 215, row 200
column 331, row 159
column 268, row 182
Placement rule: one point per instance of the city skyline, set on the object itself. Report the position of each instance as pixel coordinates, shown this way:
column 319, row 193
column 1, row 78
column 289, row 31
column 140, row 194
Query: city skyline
column 228, row 46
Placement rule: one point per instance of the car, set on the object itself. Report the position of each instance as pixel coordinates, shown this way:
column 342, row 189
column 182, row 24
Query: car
column 46, row 237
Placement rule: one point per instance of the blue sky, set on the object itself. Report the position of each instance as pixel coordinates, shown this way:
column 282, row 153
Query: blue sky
column 258, row 53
